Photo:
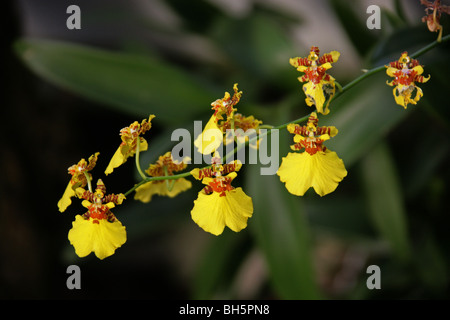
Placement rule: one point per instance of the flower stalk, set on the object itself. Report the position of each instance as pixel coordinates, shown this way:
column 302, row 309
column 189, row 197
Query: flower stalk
column 138, row 164
column 88, row 179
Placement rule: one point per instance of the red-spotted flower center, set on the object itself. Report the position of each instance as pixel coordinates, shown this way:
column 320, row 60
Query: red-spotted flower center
column 219, row 185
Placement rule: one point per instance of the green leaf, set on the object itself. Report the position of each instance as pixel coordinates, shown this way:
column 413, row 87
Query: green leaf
column 282, row 233
column 423, row 162
column 385, row 200
column 354, row 24
column 430, row 262
column 133, row 84
column 341, row 215
column 197, row 15
column 391, row 21
column 271, row 46
column 257, row 46
column 218, row 264
column 399, row 10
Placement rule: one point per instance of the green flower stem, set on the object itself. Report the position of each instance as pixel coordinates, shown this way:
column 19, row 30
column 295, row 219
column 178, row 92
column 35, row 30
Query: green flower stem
column 138, row 165
column 148, row 179
column 88, row 179
column 266, row 126
column 427, row 48
column 169, row 185
column 302, row 119
column 357, row 80
column 269, row 128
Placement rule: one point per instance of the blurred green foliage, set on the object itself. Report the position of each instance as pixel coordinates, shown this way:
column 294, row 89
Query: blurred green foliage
column 390, row 210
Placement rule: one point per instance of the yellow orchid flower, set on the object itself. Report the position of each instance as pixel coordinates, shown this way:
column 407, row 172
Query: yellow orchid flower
column 224, row 120
column 218, row 203
column 406, row 72
column 317, row 167
column 165, row 166
column 98, row 230
column 78, row 172
column 131, row 141
column 320, row 86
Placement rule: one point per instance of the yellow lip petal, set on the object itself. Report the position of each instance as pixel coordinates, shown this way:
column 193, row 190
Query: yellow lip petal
column 145, row 192
column 322, row 171
column 213, row 212
column 102, row 238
